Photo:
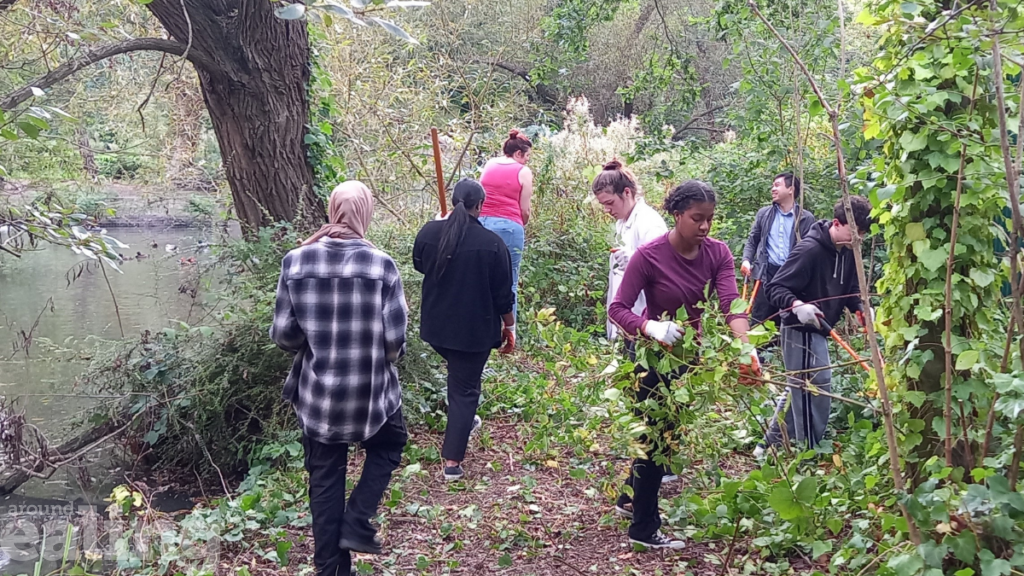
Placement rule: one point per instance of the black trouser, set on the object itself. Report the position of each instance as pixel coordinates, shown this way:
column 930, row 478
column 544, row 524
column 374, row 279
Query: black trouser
column 464, row 375
column 327, row 465
column 763, row 309
column 645, row 475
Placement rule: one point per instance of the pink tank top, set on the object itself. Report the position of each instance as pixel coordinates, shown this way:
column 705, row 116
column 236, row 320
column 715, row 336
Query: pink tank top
column 501, row 182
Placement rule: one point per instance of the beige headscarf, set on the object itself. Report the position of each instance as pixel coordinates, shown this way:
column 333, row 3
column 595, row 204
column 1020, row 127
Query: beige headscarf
column 349, row 209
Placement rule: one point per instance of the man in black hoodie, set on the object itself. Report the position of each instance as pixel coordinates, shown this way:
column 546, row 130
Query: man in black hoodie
column 817, row 281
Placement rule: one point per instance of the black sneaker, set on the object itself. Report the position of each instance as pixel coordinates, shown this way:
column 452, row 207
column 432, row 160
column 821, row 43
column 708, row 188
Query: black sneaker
column 371, row 547
column 659, row 540
column 452, row 473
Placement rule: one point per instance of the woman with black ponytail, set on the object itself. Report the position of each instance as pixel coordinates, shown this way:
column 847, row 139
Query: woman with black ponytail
column 467, row 308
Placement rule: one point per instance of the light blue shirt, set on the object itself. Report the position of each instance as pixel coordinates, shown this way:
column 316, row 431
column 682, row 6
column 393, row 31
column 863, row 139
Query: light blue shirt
column 779, row 236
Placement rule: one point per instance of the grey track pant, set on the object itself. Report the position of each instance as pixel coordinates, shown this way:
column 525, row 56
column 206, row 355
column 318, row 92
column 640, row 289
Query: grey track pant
column 807, row 416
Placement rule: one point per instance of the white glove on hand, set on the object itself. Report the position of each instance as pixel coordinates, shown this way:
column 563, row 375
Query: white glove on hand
column 619, row 259
column 664, row 332
column 808, row 314
column 745, row 268
column 439, row 217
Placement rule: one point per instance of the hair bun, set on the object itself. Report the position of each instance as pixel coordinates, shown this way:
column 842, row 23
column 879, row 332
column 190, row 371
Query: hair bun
column 513, row 133
column 613, row 165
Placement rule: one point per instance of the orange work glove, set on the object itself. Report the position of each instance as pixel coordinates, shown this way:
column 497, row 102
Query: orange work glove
column 508, row 339
column 750, row 371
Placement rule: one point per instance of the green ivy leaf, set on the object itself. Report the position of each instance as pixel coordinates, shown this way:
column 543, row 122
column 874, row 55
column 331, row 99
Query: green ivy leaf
column 906, row 564
column 819, row 548
column 913, row 141
column 982, row 277
column 504, row 561
column 806, row 490
column 915, row 231
column 967, row 359
column 781, row 500
column 964, row 546
column 992, row 566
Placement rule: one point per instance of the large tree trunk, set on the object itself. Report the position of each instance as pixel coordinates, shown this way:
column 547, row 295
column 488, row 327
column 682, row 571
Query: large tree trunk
column 256, row 94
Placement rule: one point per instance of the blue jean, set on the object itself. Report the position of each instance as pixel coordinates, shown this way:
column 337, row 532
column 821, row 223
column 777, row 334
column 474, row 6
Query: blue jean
column 514, row 236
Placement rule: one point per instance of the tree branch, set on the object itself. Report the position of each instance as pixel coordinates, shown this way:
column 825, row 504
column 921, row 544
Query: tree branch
column 102, row 53
column 545, row 92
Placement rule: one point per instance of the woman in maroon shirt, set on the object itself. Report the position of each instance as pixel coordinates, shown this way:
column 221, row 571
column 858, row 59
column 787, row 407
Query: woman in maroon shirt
column 673, row 271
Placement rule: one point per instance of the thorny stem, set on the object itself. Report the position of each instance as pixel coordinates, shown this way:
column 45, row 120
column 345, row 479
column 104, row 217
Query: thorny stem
column 947, row 410
column 876, row 354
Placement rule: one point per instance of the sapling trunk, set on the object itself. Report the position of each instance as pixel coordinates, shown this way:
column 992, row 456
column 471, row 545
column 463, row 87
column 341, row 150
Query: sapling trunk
column 947, row 410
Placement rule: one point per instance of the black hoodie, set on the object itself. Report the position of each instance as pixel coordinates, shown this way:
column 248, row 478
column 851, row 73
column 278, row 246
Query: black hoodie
column 816, row 273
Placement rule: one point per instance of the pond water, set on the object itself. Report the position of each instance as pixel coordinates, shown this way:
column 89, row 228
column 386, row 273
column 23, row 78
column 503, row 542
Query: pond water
column 69, row 317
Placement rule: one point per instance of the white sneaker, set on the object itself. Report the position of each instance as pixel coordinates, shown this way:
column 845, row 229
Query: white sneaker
column 669, row 477
column 477, row 424
column 759, row 452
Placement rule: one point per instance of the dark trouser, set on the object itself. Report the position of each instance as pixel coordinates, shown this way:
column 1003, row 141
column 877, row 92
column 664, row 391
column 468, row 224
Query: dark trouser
column 464, row 375
column 763, row 309
column 327, row 465
column 807, row 417
column 645, row 476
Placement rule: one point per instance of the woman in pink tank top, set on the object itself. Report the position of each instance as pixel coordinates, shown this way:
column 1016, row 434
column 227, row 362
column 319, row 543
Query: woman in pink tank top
column 509, row 187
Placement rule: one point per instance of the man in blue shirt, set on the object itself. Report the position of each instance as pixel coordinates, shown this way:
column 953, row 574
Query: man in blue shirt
column 772, row 236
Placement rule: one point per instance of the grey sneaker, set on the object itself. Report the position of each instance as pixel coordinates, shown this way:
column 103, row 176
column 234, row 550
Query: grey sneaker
column 477, row 423
column 669, row 477
column 371, row 547
column 659, row 540
column 452, row 473
column 625, row 510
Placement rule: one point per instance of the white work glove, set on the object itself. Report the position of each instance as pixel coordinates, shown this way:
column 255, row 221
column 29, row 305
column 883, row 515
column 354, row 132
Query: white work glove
column 439, row 217
column 620, row 258
column 664, row 332
column 807, row 314
column 745, row 268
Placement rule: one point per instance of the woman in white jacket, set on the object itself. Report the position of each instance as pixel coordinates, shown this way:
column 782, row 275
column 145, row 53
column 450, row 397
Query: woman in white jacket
column 636, row 223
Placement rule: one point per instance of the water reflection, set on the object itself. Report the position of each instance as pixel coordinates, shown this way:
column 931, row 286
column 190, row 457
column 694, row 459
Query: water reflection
column 65, row 320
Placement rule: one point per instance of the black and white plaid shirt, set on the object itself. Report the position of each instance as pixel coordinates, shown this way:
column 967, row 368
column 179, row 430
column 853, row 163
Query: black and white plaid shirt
column 341, row 309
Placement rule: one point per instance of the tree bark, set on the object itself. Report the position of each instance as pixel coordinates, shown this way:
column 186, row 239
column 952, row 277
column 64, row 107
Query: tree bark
column 256, row 94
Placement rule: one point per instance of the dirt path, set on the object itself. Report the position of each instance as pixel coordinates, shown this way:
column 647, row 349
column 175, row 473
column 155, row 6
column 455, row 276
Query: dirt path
column 509, row 516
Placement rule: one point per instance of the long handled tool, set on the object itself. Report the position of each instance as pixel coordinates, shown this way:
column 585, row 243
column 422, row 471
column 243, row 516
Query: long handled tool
column 753, row 296
column 745, row 280
column 439, row 172
column 839, row 340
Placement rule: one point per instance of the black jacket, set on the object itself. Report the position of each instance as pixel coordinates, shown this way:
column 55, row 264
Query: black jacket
column 755, row 250
column 462, row 309
column 816, row 273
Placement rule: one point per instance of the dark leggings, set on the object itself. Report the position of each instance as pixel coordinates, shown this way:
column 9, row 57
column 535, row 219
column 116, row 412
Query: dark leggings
column 464, row 375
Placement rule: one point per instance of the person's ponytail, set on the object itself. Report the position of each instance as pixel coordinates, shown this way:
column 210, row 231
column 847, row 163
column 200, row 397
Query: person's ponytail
column 451, row 235
column 468, row 195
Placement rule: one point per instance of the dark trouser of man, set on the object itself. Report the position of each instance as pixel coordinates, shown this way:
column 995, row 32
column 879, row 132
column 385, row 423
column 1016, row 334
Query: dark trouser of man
column 645, row 477
column 763, row 309
column 464, row 375
column 327, row 465
column 807, row 417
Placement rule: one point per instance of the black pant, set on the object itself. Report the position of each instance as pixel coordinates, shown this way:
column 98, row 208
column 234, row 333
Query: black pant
column 763, row 309
column 327, row 465
column 464, row 375
column 645, row 475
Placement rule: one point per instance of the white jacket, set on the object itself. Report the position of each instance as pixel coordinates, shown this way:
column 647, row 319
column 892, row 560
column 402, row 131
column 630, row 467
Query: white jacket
column 643, row 225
